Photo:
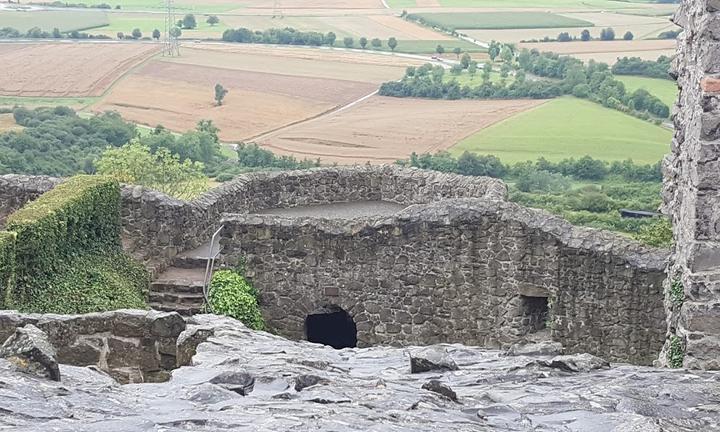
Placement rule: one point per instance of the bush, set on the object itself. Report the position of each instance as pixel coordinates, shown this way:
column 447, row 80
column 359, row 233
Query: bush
column 534, row 180
column 658, row 233
column 231, row 295
column 7, row 265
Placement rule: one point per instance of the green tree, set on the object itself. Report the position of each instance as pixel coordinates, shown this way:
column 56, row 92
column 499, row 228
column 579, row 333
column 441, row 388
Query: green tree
column 175, row 32
column 465, row 61
column 120, row 35
column 585, row 35
column 363, row 42
column 456, row 69
column 506, row 54
column 487, row 70
column 136, row 33
column 472, row 69
column 156, row 34
column 330, row 38
column 212, row 20
column 457, row 51
column 188, row 22
column 440, row 49
column 392, row 43
column 607, row 34
column 658, row 233
column 376, row 43
column 505, row 70
column 348, row 42
column 628, row 36
column 494, row 50
column 56, row 33
column 162, row 171
column 208, row 127
column 220, row 93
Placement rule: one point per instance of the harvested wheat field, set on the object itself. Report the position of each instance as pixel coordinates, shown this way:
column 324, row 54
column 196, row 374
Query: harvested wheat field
column 177, row 96
column 306, row 62
column 608, row 52
column 310, row 4
column 67, row 69
column 384, row 129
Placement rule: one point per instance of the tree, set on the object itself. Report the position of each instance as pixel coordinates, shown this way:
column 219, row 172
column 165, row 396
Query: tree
column 628, row 36
column 465, row 61
column 175, row 32
column 188, row 22
column 136, row 33
column 456, row 69
column 494, row 50
column 457, row 51
column 607, row 34
column 440, row 49
column 330, row 38
column 505, row 70
column 376, row 43
column 212, row 20
column 585, row 35
column 56, row 33
column 349, row 42
column 472, row 69
column 120, row 35
column 363, row 42
column 208, row 127
column 564, row 37
column 220, row 93
column 507, row 54
column 392, row 43
column 156, row 34
column 162, row 171
column 487, row 70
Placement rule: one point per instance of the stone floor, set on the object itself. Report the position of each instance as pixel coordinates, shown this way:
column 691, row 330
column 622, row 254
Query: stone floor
column 349, row 210
column 368, row 389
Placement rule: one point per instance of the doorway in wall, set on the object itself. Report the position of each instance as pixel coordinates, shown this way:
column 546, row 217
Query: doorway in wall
column 331, row 325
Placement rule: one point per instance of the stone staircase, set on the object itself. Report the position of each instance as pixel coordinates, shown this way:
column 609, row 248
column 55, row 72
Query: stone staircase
column 180, row 287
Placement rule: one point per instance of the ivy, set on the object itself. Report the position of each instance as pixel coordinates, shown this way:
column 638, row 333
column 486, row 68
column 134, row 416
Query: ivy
column 677, row 292
column 675, row 354
column 232, row 295
column 7, row 265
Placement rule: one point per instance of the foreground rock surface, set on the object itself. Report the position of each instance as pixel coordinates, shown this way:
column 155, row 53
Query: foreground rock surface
column 361, row 390
column 31, row 352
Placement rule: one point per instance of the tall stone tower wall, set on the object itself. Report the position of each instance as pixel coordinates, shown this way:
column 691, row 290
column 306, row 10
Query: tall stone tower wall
column 692, row 194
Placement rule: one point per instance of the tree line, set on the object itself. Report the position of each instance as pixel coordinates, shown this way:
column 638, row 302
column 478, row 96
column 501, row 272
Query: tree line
column 636, row 66
column 291, row 36
column 38, row 33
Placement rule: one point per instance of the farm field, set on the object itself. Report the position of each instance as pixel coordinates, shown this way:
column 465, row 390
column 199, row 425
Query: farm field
column 383, row 129
column 569, row 127
column 499, row 20
column 66, row 69
column 541, row 4
column 269, row 87
column 664, row 89
column 608, row 51
column 47, row 20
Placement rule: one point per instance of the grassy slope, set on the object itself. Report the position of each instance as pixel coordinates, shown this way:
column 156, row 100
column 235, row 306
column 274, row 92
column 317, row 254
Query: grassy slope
column 501, row 20
column 666, row 90
column 569, row 127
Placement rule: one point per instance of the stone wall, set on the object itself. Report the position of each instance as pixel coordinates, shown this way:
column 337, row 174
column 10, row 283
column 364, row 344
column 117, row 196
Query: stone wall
column 16, row 190
column 157, row 227
column 131, row 345
column 692, row 193
column 462, row 270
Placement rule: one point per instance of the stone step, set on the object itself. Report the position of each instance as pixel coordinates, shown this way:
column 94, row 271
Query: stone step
column 178, row 287
column 181, row 309
column 196, row 258
column 178, row 299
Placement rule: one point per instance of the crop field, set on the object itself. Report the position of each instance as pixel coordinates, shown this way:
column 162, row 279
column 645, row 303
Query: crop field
column 384, row 129
column 569, row 127
column 664, row 89
column 66, row 69
column 608, row 51
column 269, row 87
column 499, row 20
column 541, row 4
column 47, row 20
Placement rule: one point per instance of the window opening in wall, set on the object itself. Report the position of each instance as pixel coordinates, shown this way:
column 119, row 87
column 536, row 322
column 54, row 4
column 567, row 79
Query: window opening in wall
column 331, row 325
column 534, row 312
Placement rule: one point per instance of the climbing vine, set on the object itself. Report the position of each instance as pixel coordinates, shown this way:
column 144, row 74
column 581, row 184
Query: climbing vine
column 677, row 292
column 675, row 354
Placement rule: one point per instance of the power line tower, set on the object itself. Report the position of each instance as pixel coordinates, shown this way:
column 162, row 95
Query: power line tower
column 172, row 31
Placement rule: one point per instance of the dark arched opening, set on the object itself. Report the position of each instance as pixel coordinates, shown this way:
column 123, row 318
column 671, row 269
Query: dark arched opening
column 331, row 325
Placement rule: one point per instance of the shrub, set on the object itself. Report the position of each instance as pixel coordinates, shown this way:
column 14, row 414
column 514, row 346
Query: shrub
column 534, row 180
column 7, row 264
column 675, row 354
column 677, row 292
column 232, row 295
column 658, row 233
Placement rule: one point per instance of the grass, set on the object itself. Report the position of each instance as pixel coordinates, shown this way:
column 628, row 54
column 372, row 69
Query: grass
column 499, row 20
column 46, row 101
column 148, row 23
column 47, row 20
column 181, row 7
column 569, row 127
column 664, row 89
column 464, row 78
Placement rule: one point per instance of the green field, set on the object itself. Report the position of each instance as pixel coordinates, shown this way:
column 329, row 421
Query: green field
column 147, row 23
column 181, row 6
column 664, row 89
column 569, row 127
column 499, row 20
column 47, row 20
column 605, row 4
column 81, row 102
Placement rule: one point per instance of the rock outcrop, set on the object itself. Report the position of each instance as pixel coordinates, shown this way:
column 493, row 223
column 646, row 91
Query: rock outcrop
column 30, row 351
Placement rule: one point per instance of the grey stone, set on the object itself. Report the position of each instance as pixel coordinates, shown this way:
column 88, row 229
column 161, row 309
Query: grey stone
column 305, row 381
column 431, row 359
column 239, row 382
column 576, row 363
column 30, row 351
column 188, row 341
column 438, row 387
column 545, row 348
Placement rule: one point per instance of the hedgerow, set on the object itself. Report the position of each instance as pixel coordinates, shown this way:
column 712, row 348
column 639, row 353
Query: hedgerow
column 232, row 295
column 68, row 256
column 7, row 264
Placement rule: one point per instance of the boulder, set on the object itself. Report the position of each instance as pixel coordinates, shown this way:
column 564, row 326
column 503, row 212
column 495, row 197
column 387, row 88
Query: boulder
column 576, row 363
column 239, row 382
column 431, row 359
column 30, row 351
column 305, row 381
column 188, row 342
column 544, row 348
column 438, row 387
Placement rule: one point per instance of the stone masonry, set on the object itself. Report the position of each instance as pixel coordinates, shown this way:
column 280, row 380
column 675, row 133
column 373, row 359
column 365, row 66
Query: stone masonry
column 692, row 192
column 458, row 270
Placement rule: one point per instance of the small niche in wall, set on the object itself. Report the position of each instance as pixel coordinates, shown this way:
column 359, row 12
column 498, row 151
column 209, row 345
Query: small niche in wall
column 534, row 312
column 331, row 325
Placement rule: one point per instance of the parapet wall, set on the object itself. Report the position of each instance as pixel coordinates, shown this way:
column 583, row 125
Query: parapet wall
column 157, row 227
column 692, row 193
column 457, row 271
